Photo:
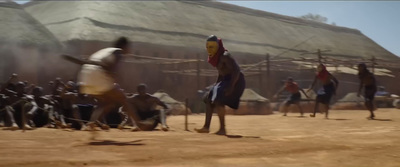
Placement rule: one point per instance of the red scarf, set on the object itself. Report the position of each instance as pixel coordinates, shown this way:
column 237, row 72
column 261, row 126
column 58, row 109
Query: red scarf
column 323, row 75
column 215, row 59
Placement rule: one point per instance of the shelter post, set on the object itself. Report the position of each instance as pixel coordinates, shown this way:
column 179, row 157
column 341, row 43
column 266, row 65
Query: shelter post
column 267, row 59
column 198, row 71
column 186, row 114
column 260, row 78
column 373, row 64
column 319, row 56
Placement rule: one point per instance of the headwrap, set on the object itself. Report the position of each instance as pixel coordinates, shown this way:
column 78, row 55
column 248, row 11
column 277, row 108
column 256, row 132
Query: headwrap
column 323, row 74
column 215, row 59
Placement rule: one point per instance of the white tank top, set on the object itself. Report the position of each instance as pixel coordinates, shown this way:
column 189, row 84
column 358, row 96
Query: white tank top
column 95, row 80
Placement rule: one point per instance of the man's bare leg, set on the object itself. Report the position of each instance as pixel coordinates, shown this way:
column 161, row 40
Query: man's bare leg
column 29, row 118
column 300, row 109
column 77, row 115
column 370, row 106
column 163, row 119
column 325, row 108
column 285, row 109
column 50, row 113
column 209, row 112
column 30, row 110
column 124, row 118
column 102, row 108
column 315, row 108
column 9, row 113
column 221, row 115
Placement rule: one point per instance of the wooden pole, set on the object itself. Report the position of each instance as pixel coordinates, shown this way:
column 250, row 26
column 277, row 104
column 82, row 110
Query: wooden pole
column 186, row 114
column 373, row 64
column 260, row 79
column 23, row 118
column 267, row 58
column 319, row 56
column 198, row 72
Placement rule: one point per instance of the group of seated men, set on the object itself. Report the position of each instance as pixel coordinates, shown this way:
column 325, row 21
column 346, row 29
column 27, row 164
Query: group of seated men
column 24, row 106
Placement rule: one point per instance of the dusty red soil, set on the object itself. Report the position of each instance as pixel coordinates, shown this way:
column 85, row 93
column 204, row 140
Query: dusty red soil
column 347, row 139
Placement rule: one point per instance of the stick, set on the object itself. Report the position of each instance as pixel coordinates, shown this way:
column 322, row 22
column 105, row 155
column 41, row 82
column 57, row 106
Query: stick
column 186, row 114
column 23, row 118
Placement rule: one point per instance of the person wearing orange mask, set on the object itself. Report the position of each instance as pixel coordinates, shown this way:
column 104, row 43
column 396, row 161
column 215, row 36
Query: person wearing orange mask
column 295, row 96
column 228, row 88
column 324, row 95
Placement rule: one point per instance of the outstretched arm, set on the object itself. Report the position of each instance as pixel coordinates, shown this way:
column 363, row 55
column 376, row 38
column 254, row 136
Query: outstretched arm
column 162, row 104
column 83, row 61
column 313, row 84
column 279, row 92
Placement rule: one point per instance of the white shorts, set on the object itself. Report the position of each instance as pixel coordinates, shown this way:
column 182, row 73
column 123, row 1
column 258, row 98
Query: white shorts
column 94, row 80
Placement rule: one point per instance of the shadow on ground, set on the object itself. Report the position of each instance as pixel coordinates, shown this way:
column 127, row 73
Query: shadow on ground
column 115, row 143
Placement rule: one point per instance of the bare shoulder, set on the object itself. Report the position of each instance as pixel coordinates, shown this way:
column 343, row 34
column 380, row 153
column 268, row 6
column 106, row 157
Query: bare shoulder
column 153, row 97
column 227, row 57
column 134, row 96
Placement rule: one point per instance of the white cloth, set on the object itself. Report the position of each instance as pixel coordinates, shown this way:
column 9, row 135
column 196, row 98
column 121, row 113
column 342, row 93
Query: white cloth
column 93, row 79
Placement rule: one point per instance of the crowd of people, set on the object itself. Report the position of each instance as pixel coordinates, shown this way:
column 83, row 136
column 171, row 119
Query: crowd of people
column 26, row 106
column 85, row 103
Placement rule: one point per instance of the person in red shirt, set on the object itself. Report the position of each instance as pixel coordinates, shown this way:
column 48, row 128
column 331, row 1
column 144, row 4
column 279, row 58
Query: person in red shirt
column 324, row 95
column 295, row 96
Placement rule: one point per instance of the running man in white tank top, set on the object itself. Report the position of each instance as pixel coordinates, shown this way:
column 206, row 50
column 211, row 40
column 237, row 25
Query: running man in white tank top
column 96, row 78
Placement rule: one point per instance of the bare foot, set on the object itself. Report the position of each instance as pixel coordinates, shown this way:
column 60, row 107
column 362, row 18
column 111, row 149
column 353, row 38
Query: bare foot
column 134, row 129
column 202, row 130
column 120, row 127
column 164, row 128
column 91, row 126
column 104, row 127
column 48, row 126
column 12, row 127
column 221, row 132
column 28, row 127
column 84, row 128
column 312, row 115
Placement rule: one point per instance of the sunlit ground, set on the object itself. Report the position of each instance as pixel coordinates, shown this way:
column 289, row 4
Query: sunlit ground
column 347, row 139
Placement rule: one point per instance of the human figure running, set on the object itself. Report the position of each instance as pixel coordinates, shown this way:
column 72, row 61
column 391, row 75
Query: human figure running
column 368, row 82
column 295, row 96
column 96, row 78
column 324, row 95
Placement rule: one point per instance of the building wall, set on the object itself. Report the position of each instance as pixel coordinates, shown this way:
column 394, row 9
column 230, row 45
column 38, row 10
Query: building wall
column 182, row 86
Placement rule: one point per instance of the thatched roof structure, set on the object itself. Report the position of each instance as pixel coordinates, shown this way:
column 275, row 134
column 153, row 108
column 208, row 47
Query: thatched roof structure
column 352, row 97
column 251, row 95
column 188, row 23
column 19, row 27
column 166, row 98
column 26, row 46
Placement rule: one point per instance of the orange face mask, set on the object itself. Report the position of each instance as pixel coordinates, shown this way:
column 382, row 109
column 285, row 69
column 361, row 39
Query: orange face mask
column 212, row 48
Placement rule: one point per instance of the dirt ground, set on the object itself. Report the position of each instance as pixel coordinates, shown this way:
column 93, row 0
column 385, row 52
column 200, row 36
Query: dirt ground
column 345, row 140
